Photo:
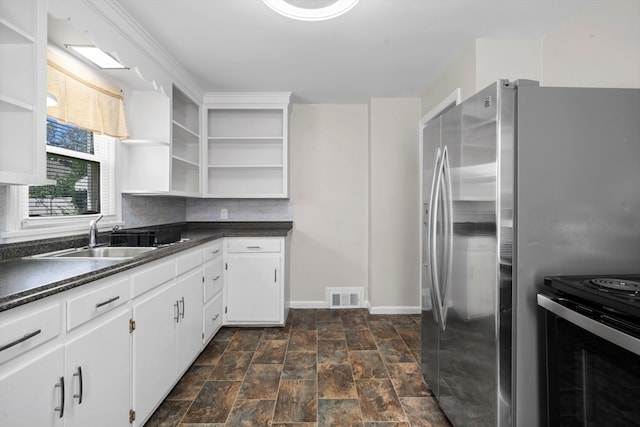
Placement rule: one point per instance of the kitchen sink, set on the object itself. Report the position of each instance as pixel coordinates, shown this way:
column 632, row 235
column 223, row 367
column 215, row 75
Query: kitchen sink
column 104, row 252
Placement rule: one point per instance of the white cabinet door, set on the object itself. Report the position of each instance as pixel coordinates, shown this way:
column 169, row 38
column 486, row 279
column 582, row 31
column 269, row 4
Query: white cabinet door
column 253, row 288
column 154, row 349
column 189, row 293
column 32, row 395
column 97, row 370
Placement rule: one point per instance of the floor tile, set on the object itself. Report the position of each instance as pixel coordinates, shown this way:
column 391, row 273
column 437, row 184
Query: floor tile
column 395, row 351
column 300, row 365
column 339, row 412
column 251, row 413
column 367, row 364
column 332, row 351
column 360, row 340
column 336, row 382
column 261, row 382
column 424, row 412
column 378, row 401
column 232, row 366
column 325, row 367
column 168, row 413
column 303, row 341
column 214, row 402
column 270, row 351
column 212, row 353
column 191, row 382
column 297, row 401
column 330, row 331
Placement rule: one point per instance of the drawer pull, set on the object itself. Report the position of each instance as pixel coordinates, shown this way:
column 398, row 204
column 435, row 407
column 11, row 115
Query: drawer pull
column 79, row 395
column 109, row 301
column 215, row 317
column 19, row 340
column 216, row 278
column 215, row 252
column 61, row 407
column 253, row 247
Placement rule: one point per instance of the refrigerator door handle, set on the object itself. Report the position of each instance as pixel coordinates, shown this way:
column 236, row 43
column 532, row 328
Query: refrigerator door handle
column 433, row 240
column 448, row 233
column 431, row 247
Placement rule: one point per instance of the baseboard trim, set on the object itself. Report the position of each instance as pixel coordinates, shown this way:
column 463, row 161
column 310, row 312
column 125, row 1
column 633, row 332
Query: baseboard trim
column 372, row 310
column 309, row 304
column 394, row 310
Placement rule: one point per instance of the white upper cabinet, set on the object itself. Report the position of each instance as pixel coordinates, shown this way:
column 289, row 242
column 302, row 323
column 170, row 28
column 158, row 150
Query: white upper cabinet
column 163, row 154
column 23, row 49
column 246, row 147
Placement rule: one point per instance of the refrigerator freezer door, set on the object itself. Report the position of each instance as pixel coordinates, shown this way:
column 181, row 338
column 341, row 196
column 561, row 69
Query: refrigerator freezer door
column 468, row 345
column 430, row 145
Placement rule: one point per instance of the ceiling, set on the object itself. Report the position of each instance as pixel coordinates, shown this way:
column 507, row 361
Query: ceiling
column 380, row 48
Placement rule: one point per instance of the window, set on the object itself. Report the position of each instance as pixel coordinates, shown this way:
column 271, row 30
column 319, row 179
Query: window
column 72, row 162
column 82, row 165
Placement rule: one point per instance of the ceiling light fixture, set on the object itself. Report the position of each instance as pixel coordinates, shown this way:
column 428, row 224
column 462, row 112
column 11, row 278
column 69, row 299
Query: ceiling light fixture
column 311, row 10
column 97, row 56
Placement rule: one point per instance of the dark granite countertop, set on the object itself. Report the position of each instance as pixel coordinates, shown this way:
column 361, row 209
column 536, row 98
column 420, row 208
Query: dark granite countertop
column 23, row 279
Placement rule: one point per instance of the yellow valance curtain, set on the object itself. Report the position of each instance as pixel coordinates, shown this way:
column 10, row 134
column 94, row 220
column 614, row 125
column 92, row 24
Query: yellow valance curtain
column 84, row 99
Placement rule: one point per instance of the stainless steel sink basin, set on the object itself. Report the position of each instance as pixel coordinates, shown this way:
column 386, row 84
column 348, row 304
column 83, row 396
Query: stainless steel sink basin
column 104, row 252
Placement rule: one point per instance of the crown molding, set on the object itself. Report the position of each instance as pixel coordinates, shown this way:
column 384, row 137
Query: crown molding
column 111, row 12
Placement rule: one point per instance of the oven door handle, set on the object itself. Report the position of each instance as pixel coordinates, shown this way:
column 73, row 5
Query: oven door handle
column 601, row 330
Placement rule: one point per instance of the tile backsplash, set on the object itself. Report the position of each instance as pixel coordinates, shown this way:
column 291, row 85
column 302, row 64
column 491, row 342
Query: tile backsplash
column 239, row 210
column 142, row 211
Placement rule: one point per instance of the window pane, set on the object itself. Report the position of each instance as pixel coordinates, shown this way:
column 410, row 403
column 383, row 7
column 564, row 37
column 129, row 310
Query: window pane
column 77, row 191
column 69, row 137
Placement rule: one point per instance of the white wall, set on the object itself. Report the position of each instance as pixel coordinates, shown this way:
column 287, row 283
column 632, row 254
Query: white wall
column 599, row 47
column 328, row 149
column 394, row 261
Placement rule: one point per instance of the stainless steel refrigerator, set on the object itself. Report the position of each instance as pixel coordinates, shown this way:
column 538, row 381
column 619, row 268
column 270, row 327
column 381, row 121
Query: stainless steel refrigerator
column 519, row 182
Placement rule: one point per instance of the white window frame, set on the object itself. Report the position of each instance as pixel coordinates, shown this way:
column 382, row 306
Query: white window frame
column 22, row 227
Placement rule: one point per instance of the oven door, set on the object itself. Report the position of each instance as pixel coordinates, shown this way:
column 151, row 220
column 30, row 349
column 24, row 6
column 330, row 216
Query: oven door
column 592, row 369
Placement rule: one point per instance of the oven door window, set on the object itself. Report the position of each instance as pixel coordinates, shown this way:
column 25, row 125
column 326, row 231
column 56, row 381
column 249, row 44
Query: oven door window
column 591, row 382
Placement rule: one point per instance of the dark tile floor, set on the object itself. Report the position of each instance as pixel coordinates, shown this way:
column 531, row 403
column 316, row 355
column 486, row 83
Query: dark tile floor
column 324, row 368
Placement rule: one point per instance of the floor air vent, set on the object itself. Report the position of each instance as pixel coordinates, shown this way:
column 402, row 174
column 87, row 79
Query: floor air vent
column 344, row 297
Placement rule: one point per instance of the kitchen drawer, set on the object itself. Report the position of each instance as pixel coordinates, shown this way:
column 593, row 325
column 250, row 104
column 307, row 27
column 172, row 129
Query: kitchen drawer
column 88, row 306
column 29, row 331
column 189, row 261
column 212, row 279
column 253, row 245
column 157, row 274
column 212, row 317
column 212, row 251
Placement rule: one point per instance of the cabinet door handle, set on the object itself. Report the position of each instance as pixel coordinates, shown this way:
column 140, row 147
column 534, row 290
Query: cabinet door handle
column 182, row 301
column 19, row 340
column 275, row 275
column 177, row 316
column 215, row 252
column 80, row 385
column 109, row 301
column 216, row 278
column 61, row 407
column 215, row 317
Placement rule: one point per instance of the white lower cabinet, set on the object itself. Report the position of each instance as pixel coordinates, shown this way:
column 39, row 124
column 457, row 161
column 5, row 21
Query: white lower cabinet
column 106, row 354
column 154, row 349
column 97, row 375
column 254, row 283
column 32, row 394
column 83, row 380
column 167, row 338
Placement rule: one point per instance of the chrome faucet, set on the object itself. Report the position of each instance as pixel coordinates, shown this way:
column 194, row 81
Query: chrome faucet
column 93, row 231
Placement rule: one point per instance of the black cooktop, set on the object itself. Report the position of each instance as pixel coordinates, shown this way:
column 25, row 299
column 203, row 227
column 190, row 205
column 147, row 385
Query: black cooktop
column 618, row 293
